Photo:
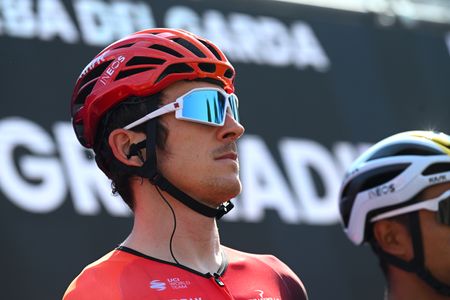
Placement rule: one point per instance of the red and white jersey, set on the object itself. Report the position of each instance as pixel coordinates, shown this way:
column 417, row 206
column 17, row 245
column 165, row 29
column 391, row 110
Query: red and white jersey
column 126, row 274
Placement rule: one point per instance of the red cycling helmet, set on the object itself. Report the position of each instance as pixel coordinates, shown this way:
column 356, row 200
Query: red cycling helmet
column 142, row 64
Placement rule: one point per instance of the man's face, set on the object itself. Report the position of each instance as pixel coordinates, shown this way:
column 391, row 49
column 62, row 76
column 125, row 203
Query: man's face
column 436, row 238
column 199, row 159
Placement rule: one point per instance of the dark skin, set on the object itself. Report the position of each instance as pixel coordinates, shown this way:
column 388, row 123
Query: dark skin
column 394, row 238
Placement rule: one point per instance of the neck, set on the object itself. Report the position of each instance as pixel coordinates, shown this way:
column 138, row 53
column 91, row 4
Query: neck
column 195, row 243
column 405, row 286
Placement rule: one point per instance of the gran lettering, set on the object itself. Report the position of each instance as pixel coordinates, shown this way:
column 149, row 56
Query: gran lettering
column 38, row 180
column 40, row 171
column 244, row 38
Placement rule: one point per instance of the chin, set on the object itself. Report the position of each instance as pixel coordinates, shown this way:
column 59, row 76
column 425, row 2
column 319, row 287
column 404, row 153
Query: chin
column 223, row 190
column 236, row 187
column 231, row 191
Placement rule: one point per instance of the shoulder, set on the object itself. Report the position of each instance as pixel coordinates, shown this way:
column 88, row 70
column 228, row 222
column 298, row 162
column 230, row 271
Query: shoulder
column 98, row 279
column 266, row 265
column 257, row 260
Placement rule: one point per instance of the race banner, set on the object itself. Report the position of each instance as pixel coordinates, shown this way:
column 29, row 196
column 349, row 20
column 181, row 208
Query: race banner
column 317, row 86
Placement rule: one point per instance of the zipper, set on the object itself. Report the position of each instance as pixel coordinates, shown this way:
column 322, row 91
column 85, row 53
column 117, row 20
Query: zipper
column 224, row 291
column 218, row 280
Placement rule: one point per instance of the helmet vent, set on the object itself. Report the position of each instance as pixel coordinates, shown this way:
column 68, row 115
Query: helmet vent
column 228, row 73
column 424, row 151
column 366, row 181
column 130, row 72
column 124, row 46
column 380, row 179
column 175, row 68
column 165, row 50
column 96, row 72
column 211, row 48
column 404, row 149
column 81, row 98
column 207, row 67
column 142, row 60
column 437, row 168
column 190, row 47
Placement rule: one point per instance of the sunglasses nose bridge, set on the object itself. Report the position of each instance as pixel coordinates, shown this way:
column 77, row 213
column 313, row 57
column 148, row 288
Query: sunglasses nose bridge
column 231, row 107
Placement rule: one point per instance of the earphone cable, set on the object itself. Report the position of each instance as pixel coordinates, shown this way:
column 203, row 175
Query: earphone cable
column 174, row 224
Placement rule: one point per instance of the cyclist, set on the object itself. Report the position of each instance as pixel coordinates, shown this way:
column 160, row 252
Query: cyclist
column 396, row 197
column 159, row 111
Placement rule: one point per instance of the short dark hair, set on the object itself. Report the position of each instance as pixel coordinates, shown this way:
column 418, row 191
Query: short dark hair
column 121, row 115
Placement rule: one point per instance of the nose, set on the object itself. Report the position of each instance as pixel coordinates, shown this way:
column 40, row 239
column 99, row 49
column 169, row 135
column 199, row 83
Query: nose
column 231, row 130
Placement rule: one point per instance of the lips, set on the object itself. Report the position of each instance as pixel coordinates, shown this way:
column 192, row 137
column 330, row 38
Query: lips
column 230, row 155
column 227, row 151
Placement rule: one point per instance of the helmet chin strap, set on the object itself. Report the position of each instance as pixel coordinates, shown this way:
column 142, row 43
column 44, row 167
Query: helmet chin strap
column 417, row 264
column 149, row 170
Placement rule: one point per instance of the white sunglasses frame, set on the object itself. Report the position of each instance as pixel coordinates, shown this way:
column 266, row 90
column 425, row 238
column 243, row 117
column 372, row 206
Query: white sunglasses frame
column 430, row 204
column 177, row 106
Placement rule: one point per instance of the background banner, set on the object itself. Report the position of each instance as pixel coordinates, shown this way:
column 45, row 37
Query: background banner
column 316, row 87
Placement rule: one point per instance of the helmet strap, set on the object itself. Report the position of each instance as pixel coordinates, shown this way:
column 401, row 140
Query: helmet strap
column 149, row 170
column 417, row 263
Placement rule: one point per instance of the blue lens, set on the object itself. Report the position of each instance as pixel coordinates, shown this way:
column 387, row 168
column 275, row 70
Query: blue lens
column 234, row 107
column 205, row 106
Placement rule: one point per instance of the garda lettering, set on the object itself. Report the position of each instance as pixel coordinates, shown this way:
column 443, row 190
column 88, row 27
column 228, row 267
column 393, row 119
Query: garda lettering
column 244, row 38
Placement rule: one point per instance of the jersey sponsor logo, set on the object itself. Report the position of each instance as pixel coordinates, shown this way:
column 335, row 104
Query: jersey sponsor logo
column 176, row 283
column 157, row 285
column 262, row 297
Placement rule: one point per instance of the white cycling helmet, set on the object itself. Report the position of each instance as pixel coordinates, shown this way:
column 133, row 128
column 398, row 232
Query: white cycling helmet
column 389, row 175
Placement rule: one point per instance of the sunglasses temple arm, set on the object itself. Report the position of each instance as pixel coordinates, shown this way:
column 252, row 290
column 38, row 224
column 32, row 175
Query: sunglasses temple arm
column 159, row 112
column 406, row 209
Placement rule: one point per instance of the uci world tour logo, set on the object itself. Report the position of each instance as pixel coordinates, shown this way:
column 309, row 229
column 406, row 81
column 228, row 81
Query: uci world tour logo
column 157, row 285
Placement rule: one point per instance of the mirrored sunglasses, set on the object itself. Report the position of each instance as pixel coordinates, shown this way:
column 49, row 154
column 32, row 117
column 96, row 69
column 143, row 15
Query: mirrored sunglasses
column 201, row 105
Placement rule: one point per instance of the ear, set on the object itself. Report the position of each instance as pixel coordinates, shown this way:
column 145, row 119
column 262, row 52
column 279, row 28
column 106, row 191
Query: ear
column 394, row 238
column 120, row 141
